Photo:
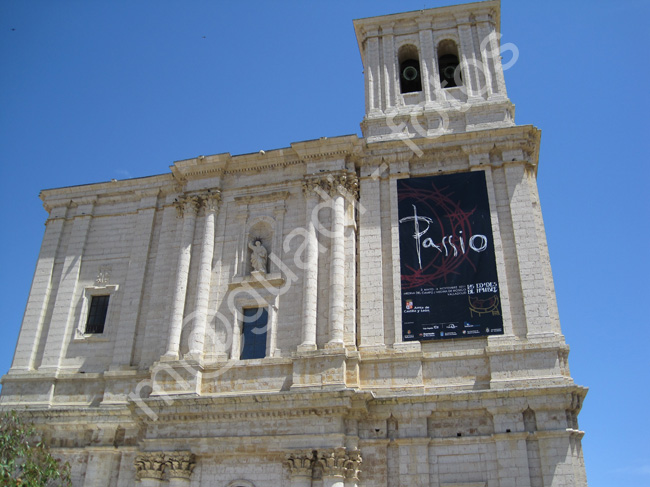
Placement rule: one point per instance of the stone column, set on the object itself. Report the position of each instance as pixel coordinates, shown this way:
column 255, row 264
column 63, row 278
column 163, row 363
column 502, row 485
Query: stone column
column 58, row 335
column 310, row 286
column 300, row 469
column 197, row 337
column 149, row 468
column 32, row 327
column 179, row 467
column 426, row 59
column 187, row 208
column 337, row 264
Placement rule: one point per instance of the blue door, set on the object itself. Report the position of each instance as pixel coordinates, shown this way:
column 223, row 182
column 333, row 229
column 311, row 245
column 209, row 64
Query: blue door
column 254, row 333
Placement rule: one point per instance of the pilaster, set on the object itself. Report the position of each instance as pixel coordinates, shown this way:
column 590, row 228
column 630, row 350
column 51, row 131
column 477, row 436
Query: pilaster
column 39, row 294
column 370, row 260
column 60, row 329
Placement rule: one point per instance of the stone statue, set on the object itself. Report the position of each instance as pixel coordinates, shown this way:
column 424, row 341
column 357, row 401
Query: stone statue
column 258, row 256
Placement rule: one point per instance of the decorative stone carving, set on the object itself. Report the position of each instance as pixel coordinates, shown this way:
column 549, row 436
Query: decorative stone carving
column 340, row 463
column 186, row 204
column 315, row 186
column 103, row 276
column 211, row 200
column 353, row 465
column 345, row 184
column 300, row 464
column 332, row 184
column 332, row 462
column 180, row 465
column 159, row 465
column 149, row 466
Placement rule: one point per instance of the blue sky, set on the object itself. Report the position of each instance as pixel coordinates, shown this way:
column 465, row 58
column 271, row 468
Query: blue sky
column 95, row 90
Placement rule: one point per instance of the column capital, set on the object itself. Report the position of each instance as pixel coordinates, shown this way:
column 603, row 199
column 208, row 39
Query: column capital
column 186, row 204
column 211, row 200
column 300, row 464
column 338, row 462
column 180, row 465
column 344, row 184
column 149, row 465
column 314, row 186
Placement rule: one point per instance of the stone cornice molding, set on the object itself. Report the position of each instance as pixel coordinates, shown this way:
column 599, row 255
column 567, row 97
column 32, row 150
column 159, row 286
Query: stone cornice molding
column 326, row 148
column 112, row 189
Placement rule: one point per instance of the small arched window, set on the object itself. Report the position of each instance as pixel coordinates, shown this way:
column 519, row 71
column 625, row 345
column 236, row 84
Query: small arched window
column 410, row 79
column 448, row 64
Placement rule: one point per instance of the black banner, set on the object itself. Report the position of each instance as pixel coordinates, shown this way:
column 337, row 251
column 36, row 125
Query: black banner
column 448, row 267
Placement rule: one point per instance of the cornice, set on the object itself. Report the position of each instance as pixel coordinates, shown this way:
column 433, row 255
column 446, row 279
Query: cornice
column 441, row 17
column 220, row 165
column 123, row 190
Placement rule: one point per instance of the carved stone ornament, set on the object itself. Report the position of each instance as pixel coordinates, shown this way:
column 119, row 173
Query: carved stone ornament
column 149, row 466
column 332, row 184
column 103, row 276
column 345, row 184
column 180, row 465
column 160, row 465
column 332, row 462
column 187, row 203
column 300, row 464
column 353, row 465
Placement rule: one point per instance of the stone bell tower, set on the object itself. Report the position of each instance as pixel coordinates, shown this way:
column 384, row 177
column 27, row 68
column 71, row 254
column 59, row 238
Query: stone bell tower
column 433, row 72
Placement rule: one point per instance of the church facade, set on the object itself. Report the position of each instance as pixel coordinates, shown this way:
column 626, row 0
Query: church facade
column 374, row 311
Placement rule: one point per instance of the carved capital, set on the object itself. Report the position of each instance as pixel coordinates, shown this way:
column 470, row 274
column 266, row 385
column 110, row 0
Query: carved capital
column 149, row 466
column 346, row 185
column 332, row 462
column 211, row 200
column 180, row 465
column 314, row 187
column 187, row 204
column 300, row 464
column 353, row 465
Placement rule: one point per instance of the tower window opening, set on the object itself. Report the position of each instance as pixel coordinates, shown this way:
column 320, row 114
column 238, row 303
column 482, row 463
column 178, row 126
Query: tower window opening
column 410, row 78
column 448, row 64
column 97, row 314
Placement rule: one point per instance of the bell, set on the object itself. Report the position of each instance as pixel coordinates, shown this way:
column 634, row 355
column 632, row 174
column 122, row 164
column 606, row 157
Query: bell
column 410, row 73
